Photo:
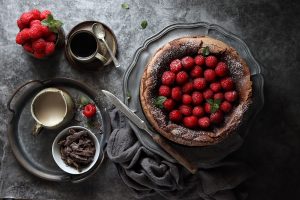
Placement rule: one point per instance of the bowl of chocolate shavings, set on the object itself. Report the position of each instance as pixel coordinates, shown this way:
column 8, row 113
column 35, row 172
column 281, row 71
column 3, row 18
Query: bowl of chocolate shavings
column 75, row 150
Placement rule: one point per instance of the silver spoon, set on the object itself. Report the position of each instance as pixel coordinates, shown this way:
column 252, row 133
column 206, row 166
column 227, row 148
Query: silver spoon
column 99, row 31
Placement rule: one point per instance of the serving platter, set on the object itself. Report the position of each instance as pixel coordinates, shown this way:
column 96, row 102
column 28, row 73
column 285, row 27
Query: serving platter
column 34, row 152
column 133, row 74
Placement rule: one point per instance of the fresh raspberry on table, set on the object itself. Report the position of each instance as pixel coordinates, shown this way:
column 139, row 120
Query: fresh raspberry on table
column 226, row 106
column 211, row 61
column 44, row 14
column 209, row 75
column 28, row 47
column 50, row 48
column 190, row 122
column 26, row 18
column 175, row 116
column 176, row 93
column 196, row 72
column 198, row 111
column 39, row 45
column 197, row 98
column 26, row 34
column 35, row 22
column 199, row 60
column 207, row 107
column 204, row 122
column 89, row 110
column 227, row 83
column 20, row 24
column 187, row 62
column 168, row 78
column 182, row 77
column 215, row 87
column 187, row 88
column 175, row 66
column 219, row 95
column 51, row 37
column 36, row 31
column 186, row 110
column 216, row 117
column 199, row 83
column 36, row 14
column 208, row 94
column 19, row 39
column 164, row 91
column 46, row 31
column 231, row 96
column 221, row 69
column 187, row 99
column 169, row 104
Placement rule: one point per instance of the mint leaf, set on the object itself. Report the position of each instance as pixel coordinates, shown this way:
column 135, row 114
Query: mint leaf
column 125, row 5
column 210, row 101
column 217, row 101
column 54, row 25
column 144, row 24
column 205, row 51
column 84, row 101
column 159, row 101
column 214, row 104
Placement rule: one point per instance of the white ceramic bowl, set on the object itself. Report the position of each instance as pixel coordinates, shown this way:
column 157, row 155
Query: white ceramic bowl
column 57, row 156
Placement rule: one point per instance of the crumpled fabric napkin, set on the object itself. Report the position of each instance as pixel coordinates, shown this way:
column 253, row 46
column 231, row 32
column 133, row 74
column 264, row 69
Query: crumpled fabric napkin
column 149, row 172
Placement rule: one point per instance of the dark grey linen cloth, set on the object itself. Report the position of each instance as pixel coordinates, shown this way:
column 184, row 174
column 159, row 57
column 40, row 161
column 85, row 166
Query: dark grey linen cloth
column 149, row 171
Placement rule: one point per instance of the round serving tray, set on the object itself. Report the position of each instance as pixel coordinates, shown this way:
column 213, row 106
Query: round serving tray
column 132, row 76
column 34, row 152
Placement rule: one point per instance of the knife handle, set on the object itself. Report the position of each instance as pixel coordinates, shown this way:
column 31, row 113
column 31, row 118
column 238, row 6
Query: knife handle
column 175, row 154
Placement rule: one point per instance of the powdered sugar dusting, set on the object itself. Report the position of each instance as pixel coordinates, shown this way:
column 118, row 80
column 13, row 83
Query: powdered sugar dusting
column 235, row 67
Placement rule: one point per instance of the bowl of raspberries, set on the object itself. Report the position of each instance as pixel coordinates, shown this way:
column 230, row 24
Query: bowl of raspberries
column 40, row 34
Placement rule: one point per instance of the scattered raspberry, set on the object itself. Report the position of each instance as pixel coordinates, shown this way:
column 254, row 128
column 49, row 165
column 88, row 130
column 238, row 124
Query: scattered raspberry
column 231, row 96
column 196, row 72
column 215, row 87
column 25, row 34
column 19, row 38
column 227, row 83
column 36, row 32
column 197, row 98
column 182, row 77
column 209, row 75
column 185, row 110
column 39, row 45
column 168, row 78
column 175, row 66
column 204, row 122
column 207, row 107
column 187, row 88
column 51, row 38
column 89, row 110
column 176, row 93
column 190, row 122
column 20, row 24
column 208, row 94
column 198, row 111
column 175, row 116
column 187, row 99
column 164, row 91
column 226, row 106
column 39, row 55
column 199, row 60
column 221, row 69
column 36, row 14
column 46, row 31
column 199, row 83
column 44, row 14
column 219, row 96
column 211, row 61
column 169, row 104
column 26, row 18
column 187, row 62
column 35, row 23
column 50, row 48
column 27, row 47
column 216, row 117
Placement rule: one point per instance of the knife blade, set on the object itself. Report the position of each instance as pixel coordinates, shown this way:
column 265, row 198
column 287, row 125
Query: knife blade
column 156, row 137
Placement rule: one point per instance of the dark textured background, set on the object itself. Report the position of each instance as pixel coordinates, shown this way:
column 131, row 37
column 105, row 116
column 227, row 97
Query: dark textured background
column 271, row 30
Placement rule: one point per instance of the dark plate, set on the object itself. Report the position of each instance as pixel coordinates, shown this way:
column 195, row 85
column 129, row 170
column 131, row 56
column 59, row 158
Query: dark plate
column 34, row 152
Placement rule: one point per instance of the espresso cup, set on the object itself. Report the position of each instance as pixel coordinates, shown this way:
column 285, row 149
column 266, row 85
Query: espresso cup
column 51, row 108
column 84, row 47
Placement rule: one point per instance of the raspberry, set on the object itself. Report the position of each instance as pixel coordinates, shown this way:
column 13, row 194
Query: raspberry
column 51, row 37
column 176, row 93
column 35, row 22
column 175, row 116
column 36, row 14
column 227, row 83
column 211, row 61
column 216, row 117
column 231, row 96
column 26, row 18
column 39, row 45
column 208, row 94
column 39, row 55
column 187, row 62
column 50, row 48
column 36, row 32
column 190, row 122
column 20, row 24
column 164, row 91
column 169, row 104
column 46, row 31
column 187, row 88
column 199, row 60
column 197, row 98
column 204, row 122
column 185, row 110
column 187, row 99
column 89, row 110
column 168, row 78
column 25, row 34
column 215, row 87
column 219, row 96
column 196, row 72
column 226, row 106
column 207, row 107
column 209, row 75
column 19, row 38
column 28, row 47
column 199, row 83
column 182, row 77
column 221, row 69
column 44, row 14
column 198, row 111
column 175, row 66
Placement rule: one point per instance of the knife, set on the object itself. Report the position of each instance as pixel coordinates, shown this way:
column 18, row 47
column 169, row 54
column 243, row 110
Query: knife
column 156, row 137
